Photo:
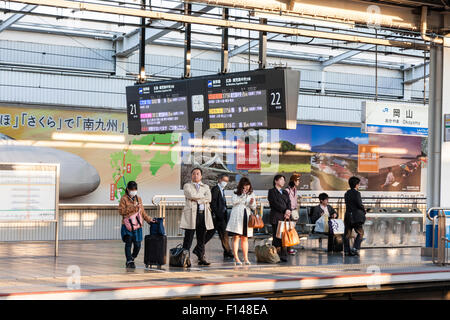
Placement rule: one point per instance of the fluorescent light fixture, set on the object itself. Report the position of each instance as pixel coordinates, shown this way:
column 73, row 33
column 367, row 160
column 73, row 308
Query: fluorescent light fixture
column 308, row 21
column 87, row 137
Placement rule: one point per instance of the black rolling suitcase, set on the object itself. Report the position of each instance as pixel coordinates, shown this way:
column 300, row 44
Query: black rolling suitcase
column 155, row 250
column 335, row 243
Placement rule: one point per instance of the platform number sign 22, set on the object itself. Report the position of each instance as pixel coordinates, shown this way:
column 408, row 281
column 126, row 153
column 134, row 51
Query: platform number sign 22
column 276, row 100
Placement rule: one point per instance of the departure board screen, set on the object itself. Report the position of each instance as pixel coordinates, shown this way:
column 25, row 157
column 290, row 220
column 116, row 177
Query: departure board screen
column 238, row 110
column 163, row 114
column 260, row 99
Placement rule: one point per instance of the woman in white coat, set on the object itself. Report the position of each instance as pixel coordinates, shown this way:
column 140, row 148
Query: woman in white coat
column 243, row 203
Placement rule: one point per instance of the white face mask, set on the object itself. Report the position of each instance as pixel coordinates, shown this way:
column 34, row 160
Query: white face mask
column 223, row 184
column 132, row 193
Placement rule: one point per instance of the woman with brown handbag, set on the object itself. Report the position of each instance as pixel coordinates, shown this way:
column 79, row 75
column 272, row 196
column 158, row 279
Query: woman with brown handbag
column 244, row 203
column 294, row 182
column 280, row 210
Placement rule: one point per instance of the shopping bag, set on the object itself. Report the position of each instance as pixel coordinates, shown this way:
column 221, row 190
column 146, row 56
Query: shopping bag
column 322, row 224
column 290, row 236
column 336, row 226
column 280, row 227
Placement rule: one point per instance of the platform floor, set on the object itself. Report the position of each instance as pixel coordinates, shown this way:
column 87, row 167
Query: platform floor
column 28, row 270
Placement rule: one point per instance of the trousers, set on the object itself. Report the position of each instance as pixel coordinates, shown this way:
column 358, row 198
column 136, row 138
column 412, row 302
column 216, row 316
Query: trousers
column 348, row 234
column 200, row 231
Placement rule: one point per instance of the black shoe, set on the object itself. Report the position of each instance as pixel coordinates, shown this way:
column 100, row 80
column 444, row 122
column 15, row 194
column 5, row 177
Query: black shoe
column 130, row 265
column 355, row 252
column 203, row 262
column 349, row 254
column 228, row 255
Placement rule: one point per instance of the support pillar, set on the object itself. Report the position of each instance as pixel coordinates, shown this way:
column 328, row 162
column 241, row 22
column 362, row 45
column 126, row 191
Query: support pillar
column 262, row 46
column 224, row 52
column 187, row 43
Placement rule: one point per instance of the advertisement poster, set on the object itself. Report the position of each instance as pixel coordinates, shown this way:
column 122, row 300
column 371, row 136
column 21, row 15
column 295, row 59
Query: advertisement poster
column 97, row 157
column 326, row 157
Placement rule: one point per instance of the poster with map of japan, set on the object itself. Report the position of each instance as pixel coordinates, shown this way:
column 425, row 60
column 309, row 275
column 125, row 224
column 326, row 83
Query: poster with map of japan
column 96, row 155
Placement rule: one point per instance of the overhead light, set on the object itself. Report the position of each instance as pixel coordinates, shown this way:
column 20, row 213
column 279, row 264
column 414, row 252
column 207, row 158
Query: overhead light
column 87, row 137
column 308, row 21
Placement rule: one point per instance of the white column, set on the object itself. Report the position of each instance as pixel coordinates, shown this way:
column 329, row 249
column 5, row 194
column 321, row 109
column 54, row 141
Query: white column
column 445, row 146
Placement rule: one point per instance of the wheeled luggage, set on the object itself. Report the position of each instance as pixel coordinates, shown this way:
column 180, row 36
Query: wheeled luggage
column 155, row 250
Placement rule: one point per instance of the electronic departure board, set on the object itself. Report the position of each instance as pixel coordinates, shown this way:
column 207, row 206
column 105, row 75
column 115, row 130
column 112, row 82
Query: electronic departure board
column 260, row 99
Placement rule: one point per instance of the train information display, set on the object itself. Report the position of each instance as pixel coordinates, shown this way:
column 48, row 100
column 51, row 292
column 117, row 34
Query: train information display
column 261, row 99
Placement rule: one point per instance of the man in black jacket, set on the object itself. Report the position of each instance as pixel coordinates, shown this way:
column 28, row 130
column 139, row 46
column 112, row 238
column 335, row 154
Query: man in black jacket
column 219, row 213
column 280, row 209
column 355, row 216
column 322, row 208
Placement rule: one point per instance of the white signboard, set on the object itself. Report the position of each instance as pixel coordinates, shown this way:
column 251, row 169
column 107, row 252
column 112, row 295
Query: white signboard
column 394, row 118
column 28, row 192
column 447, row 127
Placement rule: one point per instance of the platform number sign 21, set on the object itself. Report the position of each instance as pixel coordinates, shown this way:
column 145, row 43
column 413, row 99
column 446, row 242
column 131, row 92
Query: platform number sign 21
column 276, row 100
column 133, row 110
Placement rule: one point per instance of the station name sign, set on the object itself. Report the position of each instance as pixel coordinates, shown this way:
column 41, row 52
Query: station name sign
column 379, row 117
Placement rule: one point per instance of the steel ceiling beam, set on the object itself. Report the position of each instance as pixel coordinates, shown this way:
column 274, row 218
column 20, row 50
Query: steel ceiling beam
column 346, row 55
column 83, row 6
column 128, row 44
column 244, row 48
column 16, row 17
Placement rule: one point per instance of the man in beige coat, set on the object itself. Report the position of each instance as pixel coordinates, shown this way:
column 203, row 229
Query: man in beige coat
column 196, row 217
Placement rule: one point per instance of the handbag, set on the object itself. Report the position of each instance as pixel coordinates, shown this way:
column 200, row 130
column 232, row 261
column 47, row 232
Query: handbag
column 179, row 257
column 267, row 253
column 157, row 228
column 255, row 221
column 290, row 236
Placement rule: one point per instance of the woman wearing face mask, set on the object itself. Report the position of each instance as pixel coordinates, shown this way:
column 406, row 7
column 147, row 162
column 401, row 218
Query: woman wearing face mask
column 132, row 210
column 243, row 203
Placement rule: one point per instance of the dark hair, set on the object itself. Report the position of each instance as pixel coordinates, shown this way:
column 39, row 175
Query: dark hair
column 323, row 196
column 131, row 185
column 242, row 183
column 192, row 171
column 278, row 177
column 353, row 181
column 292, row 180
column 222, row 175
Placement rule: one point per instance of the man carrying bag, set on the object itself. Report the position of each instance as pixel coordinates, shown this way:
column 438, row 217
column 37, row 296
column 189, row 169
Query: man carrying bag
column 355, row 216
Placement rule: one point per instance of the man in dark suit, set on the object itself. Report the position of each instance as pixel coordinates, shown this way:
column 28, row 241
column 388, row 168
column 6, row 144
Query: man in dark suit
column 280, row 209
column 355, row 216
column 322, row 208
column 219, row 212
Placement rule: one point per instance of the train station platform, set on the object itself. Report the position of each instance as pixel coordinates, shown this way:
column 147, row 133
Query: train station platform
column 28, row 270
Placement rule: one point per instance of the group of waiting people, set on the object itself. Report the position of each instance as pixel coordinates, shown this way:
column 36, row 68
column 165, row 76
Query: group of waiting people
column 205, row 212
